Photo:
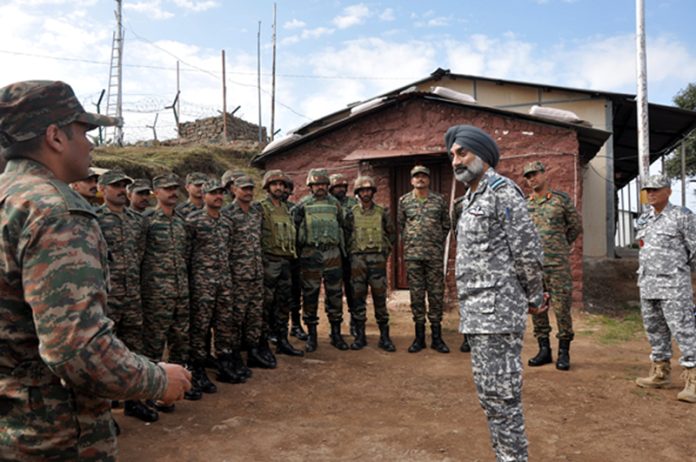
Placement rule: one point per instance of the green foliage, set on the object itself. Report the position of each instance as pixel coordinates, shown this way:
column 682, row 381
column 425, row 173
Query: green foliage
column 613, row 330
column 685, row 99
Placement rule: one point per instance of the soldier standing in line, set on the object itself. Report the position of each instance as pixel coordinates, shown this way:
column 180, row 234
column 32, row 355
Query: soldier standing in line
column 371, row 240
column 211, row 288
column 296, row 279
column 87, row 187
column 319, row 220
column 165, row 284
column 124, row 232
column 558, row 225
column 667, row 256
column 227, row 181
column 424, row 223
column 499, row 280
column 194, row 188
column 246, row 261
column 56, row 398
column 338, row 188
column 138, row 193
column 456, row 213
column 278, row 240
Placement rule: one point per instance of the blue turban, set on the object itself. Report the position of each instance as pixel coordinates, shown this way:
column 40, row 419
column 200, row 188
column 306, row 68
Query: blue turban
column 475, row 140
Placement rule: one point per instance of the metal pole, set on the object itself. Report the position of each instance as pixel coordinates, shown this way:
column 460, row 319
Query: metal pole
column 224, row 101
column 258, row 75
column 273, row 78
column 683, row 172
column 642, row 102
column 178, row 91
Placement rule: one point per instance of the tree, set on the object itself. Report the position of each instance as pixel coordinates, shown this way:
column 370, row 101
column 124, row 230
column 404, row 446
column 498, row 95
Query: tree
column 685, row 99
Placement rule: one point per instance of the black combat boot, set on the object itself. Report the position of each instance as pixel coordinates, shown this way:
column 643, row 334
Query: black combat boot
column 360, row 340
column 437, row 343
column 311, row 338
column 239, row 366
column 544, row 354
column 353, row 327
column 465, row 348
column 226, row 370
column 296, row 329
column 385, row 342
column 419, row 342
column 265, row 351
column 563, row 361
column 138, row 410
column 256, row 359
column 336, row 337
column 283, row 346
column 194, row 394
column 200, row 380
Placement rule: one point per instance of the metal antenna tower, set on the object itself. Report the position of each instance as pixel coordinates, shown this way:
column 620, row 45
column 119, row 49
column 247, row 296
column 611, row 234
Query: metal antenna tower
column 114, row 94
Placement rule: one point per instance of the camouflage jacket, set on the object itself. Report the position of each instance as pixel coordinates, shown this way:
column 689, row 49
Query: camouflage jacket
column 667, row 255
column 60, row 362
column 388, row 232
column 210, row 243
column 423, row 225
column 499, row 258
column 298, row 213
column 188, row 207
column 246, row 253
column 125, row 237
column 275, row 236
column 557, row 223
column 164, row 272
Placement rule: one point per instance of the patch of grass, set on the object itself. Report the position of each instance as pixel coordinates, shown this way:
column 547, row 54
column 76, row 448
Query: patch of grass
column 613, row 330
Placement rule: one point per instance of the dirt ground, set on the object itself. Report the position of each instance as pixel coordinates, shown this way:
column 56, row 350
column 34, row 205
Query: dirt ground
column 373, row 405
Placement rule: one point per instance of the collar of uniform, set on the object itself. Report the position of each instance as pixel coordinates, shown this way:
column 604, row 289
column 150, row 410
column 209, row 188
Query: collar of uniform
column 486, row 178
column 413, row 194
column 29, row 166
column 545, row 197
column 667, row 208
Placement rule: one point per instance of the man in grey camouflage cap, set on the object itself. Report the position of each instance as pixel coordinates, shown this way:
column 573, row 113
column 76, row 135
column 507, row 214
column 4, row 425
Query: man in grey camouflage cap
column 139, row 193
column 499, row 279
column 60, row 361
column 667, row 240
column 194, row 188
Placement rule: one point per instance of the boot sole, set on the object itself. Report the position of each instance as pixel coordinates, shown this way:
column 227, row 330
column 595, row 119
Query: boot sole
column 655, row 386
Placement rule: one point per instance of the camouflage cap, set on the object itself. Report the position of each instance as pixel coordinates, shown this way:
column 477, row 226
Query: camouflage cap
column 212, row 185
column 243, row 181
column 165, row 181
column 91, row 173
column 420, row 169
column 536, row 166
column 114, row 176
column 364, row 182
column 318, row 176
column 196, row 178
column 28, row 108
column 273, row 175
column 656, row 182
column 229, row 176
column 139, row 185
column 338, row 179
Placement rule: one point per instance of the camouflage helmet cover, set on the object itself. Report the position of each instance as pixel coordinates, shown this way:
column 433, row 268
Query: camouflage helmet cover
column 364, row 182
column 273, row 175
column 318, row 176
column 338, row 179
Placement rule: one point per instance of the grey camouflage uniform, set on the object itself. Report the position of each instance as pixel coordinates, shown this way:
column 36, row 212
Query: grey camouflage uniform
column 667, row 243
column 499, row 274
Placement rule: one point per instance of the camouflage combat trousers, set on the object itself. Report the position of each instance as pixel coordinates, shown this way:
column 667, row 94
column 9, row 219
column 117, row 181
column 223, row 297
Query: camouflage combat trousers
column 127, row 314
column 369, row 270
column 348, row 291
column 296, row 289
column 663, row 319
column 559, row 285
column 211, row 307
column 497, row 370
column 166, row 320
column 277, row 292
column 247, row 320
column 317, row 265
column 426, row 276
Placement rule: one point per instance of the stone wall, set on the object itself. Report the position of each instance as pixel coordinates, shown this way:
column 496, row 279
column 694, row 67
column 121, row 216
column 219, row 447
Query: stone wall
column 209, row 130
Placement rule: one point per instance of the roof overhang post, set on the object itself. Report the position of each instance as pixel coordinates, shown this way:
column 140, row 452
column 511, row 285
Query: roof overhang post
column 610, row 186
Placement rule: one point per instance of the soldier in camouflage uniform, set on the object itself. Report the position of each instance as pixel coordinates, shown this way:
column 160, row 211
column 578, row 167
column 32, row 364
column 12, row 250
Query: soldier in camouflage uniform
column 499, row 279
column 227, row 181
column 246, row 260
column 338, row 188
column 124, row 232
column 139, row 192
column 558, row 225
column 211, row 288
column 87, row 187
column 60, row 362
column 165, row 284
column 456, row 213
column 319, row 219
column 667, row 241
column 278, row 240
column 371, row 240
column 424, row 223
column 194, row 188
column 296, row 279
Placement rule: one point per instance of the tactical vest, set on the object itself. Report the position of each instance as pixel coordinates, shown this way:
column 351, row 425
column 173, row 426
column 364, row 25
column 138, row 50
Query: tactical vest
column 321, row 223
column 368, row 235
column 279, row 232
